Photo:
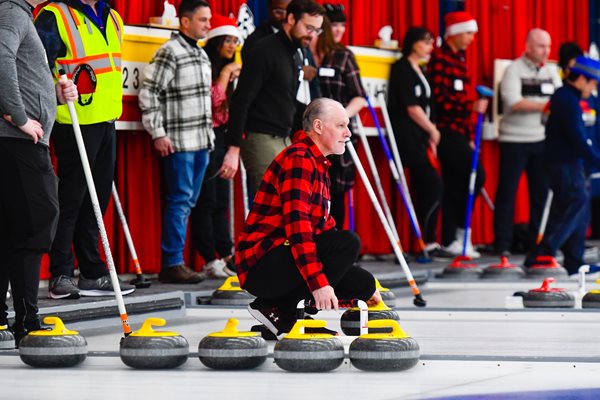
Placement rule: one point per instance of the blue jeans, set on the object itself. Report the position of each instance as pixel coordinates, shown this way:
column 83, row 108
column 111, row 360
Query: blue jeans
column 569, row 216
column 183, row 173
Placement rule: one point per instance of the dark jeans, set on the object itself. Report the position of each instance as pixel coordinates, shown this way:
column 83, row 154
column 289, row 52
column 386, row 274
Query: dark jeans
column 77, row 225
column 427, row 199
column 455, row 155
column 28, row 219
column 209, row 224
column 276, row 277
column 514, row 158
column 569, row 216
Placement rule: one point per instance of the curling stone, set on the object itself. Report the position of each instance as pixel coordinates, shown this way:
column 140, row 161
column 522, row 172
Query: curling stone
column 231, row 294
column 308, row 352
column 55, row 348
column 590, row 300
column 503, row 271
column 232, row 349
column 350, row 320
column 547, row 297
column 458, row 269
column 7, row 340
column 150, row 349
column 394, row 351
column 545, row 267
column 386, row 294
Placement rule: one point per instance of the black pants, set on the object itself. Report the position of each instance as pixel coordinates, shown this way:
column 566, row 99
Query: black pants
column 276, row 278
column 77, row 225
column 338, row 208
column 514, row 158
column 427, row 199
column 209, row 224
column 28, row 219
column 455, row 155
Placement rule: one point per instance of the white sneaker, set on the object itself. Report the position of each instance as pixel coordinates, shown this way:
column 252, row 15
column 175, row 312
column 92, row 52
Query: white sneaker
column 454, row 248
column 218, row 269
column 460, row 237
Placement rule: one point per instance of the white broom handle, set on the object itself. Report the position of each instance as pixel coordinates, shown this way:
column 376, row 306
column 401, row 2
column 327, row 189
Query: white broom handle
column 126, row 230
column 98, row 213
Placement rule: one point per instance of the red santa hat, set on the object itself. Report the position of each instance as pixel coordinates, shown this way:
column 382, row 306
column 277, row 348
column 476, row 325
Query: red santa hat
column 459, row 22
column 223, row 26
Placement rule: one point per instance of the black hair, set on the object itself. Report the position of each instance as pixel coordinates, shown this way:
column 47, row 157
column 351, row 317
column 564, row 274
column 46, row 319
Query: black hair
column 188, row 7
column 335, row 12
column 413, row 35
column 299, row 7
column 212, row 48
column 566, row 53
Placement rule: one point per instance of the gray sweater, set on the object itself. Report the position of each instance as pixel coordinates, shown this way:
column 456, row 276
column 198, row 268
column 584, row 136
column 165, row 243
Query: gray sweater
column 523, row 80
column 27, row 85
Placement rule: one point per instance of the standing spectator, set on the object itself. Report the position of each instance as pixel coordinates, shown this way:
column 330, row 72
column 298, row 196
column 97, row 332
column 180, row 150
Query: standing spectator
column 568, row 148
column 289, row 249
column 264, row 103
column 525, row 89
column 29, row 199
column 176, row 106
column 411, row 114
column 340, row 81
column 92, row 57
column 276, row 9
column 209, row 227
column 451, row 83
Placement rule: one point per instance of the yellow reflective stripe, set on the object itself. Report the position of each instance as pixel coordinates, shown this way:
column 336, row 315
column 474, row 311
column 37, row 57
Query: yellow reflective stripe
column 100, row 63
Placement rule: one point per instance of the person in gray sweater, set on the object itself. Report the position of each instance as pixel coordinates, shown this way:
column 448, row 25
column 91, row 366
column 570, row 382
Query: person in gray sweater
column 526, row 87
column 28, row 194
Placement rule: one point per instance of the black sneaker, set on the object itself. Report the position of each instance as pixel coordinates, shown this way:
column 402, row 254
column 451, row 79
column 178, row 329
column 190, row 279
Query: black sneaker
column 102, row 287
column 20, row 329
column 272, row 317
column 63, row 287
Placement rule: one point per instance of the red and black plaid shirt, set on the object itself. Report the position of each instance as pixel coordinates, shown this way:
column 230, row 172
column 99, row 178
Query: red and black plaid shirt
column 450, row 84
column 290, row 208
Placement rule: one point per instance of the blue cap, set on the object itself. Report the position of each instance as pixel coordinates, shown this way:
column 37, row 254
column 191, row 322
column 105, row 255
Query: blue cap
column 587, row 67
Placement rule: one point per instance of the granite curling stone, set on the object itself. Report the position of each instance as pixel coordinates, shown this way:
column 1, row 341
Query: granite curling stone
column 591, row 298
column 546, row 267
column 350, row 320
column 231, row 294
column 547, row 297
column 459, row 269
column 309, row 352
column 386, row 294
column 55, row 348
column 7, row 340
column 232, row 349
column 503, row 271
column 394, row 351
column 150, row 349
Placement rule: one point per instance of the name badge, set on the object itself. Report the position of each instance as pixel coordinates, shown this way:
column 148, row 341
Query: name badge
column 459, row 85
column 547, row 88
column 418, row 91
column 326, row 72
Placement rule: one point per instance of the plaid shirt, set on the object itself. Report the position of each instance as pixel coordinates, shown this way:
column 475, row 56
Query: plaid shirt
column 175, row 96
column 450, row 82
column 290, row 208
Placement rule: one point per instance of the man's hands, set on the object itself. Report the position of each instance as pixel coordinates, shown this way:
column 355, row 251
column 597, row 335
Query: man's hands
column 325, row 298
column 164, row 146
column 66, row 91
column 480, row 105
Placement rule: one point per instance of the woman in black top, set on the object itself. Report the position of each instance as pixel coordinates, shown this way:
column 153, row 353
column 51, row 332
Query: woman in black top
column 409, row 104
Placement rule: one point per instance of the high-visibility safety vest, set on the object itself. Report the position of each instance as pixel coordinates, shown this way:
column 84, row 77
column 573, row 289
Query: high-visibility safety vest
column 92, row 61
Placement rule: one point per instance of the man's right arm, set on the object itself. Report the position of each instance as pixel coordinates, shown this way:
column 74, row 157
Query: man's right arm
column 512, row 97
column 157, row 76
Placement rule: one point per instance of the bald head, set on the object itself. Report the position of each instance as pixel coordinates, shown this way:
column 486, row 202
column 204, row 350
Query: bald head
column 537, row 46
column 325, row 121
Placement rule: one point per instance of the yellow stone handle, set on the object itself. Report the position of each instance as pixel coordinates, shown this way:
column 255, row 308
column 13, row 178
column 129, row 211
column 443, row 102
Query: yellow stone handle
column 146, row 328
column 397, row 332
column 229, row 284
column 57, row 330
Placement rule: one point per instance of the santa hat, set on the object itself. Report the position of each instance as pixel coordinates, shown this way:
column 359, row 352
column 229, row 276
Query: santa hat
column 223, row 26
column 459, row 22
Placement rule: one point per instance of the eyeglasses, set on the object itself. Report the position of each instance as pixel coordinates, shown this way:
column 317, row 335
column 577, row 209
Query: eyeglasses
column 312, row 29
